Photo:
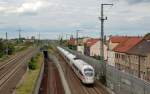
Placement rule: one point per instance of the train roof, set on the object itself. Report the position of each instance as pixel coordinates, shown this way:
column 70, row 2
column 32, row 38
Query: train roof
column 71, row 56
column 63, row 51
column 81, row 64
column 67, row 53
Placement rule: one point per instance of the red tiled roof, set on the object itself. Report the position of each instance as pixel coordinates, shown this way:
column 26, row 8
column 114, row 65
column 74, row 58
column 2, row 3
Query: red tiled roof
column 128, row 44
column 91, row 42
column 147, row 36
column 72, row 41
column 142, row 48
column 118, row 39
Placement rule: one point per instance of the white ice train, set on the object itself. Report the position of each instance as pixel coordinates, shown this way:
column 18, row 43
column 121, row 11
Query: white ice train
column 83, row 70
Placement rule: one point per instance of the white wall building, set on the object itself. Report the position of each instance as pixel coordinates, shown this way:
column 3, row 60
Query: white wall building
column 80, row 49
column 92, row 48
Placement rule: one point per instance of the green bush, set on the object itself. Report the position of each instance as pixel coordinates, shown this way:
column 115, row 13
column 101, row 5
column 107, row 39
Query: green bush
column 11, row 49
column 73, row 47
column 32, row 64
column 1, row 55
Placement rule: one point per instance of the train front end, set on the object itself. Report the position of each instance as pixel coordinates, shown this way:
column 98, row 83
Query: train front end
column 88, row 75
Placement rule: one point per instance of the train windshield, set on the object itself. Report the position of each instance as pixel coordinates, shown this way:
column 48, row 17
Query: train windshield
column 88, row 72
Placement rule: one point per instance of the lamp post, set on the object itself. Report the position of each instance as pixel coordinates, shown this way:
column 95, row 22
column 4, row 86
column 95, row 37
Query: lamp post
column 102, row 19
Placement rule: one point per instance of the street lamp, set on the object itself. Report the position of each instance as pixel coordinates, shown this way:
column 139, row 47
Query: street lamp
column 102, row 19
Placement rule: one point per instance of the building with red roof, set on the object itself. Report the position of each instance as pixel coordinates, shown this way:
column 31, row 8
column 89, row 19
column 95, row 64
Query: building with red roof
column 118, row 39
column 127, row 44
column 112, row 43
column 122, row 60
column 72, row 41
column 139, row 57
column 115, row 40
column 120, row 45
column 91, row 42
column 92, row 48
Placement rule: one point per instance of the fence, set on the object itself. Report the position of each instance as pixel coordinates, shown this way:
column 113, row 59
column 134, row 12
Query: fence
column 117, row 81
column 123, row 83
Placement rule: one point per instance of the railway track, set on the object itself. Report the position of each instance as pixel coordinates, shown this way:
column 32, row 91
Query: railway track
column 13, row 59
column 10, row 68
column 75, row 84
column 3, row 63
column 6, row 66
column 51, row 83
column 54, row 80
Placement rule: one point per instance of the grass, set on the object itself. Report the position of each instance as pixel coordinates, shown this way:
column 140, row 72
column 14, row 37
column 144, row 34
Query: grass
column 30, row 79
column 4, row 57
column 20, row 48
column 50, row 49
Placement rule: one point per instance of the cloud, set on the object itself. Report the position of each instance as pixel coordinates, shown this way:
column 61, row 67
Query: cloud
column 28, row 7
column 69, row 15
column 137, row 1
column 32, row 6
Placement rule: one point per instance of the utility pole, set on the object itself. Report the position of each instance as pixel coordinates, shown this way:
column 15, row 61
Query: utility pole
column 77, row 32
column 39, row 38
column 6, row 44
column 102, row 19
column 77, row 36
column 19, row 31
column 61, row 39
column 67, row 39
column 67, row 36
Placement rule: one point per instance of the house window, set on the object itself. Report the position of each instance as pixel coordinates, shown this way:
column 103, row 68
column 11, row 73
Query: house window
column 136, row 57
column 115, row 55
column 118, row 55
column 144, row 59
column 123, row 57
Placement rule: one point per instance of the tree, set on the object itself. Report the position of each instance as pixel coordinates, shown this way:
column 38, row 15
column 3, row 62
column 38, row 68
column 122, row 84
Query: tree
column 11, row 48
column 1, row 48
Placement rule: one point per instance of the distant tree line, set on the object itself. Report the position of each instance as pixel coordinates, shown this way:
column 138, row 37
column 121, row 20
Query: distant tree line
column 6, row 47
column 13, row 45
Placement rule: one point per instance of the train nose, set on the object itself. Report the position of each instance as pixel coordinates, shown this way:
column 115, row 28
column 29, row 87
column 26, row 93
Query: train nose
column 89, row 80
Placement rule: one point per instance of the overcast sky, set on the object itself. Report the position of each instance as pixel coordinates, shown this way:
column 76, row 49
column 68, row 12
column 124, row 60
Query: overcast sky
column 54, row 17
